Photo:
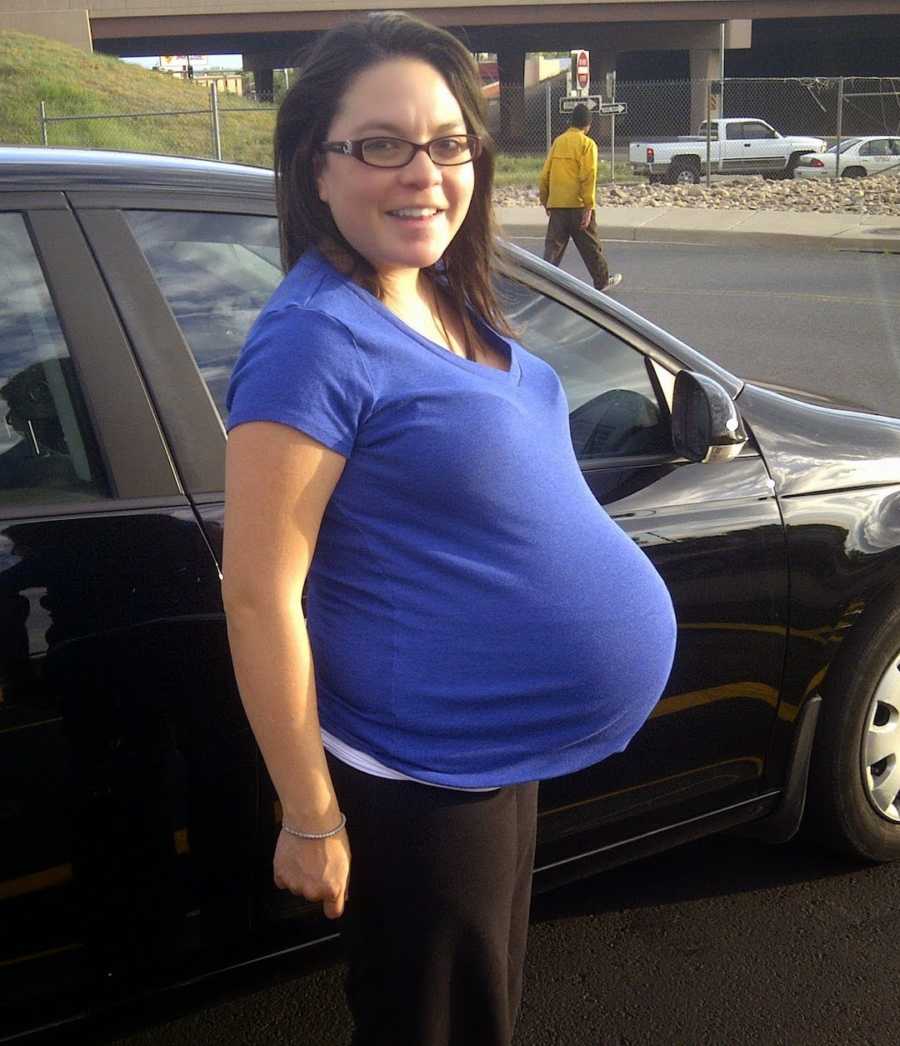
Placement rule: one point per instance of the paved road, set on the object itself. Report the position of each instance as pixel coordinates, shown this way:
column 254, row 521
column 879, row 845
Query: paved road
column 721, row 943
column 824, row 321
column 724, row 942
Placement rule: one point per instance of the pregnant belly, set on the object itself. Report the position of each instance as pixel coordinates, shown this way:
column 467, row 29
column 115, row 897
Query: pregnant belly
column 555, row 669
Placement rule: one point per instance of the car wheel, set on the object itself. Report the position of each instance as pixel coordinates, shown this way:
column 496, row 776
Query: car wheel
column 853, row 172
column 790, row 171
column 854, row 786
column 683, row 172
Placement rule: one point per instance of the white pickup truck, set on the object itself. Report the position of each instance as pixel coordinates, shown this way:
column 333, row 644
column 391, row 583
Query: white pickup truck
column 738, row 145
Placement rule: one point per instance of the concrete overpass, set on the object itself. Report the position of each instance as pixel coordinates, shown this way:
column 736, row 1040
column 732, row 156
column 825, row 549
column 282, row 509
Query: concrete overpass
column 270, row 33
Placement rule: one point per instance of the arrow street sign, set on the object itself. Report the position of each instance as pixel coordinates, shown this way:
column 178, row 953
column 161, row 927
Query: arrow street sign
column 594, row 102
column 613, row 109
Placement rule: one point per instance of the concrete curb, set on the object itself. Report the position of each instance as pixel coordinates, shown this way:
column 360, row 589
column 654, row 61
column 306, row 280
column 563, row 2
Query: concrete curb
column 725, row 227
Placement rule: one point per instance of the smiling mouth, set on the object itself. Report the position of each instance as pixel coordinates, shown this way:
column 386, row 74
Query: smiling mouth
column 415, row 213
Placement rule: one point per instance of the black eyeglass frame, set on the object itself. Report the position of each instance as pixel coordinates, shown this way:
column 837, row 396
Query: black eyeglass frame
column 355, row 149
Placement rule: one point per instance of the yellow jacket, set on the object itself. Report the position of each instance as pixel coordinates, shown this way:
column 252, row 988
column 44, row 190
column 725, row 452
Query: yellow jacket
column 569, row 177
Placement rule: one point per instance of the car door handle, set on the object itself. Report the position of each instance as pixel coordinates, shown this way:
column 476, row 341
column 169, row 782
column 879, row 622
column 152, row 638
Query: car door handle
column 746, row 145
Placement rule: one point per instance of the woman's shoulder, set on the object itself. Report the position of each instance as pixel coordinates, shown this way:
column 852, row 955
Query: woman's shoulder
column 314, row 289
column 310, row 284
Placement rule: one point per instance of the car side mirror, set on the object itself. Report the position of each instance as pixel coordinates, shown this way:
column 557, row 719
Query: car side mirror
column 706, row 425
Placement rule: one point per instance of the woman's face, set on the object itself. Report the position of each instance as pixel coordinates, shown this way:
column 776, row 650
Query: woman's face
column 402, row 98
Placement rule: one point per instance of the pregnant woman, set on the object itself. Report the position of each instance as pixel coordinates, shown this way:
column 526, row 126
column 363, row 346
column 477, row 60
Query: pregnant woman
column 471, row 610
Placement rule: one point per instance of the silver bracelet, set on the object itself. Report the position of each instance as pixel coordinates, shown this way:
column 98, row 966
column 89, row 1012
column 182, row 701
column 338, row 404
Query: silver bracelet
column 315, row 835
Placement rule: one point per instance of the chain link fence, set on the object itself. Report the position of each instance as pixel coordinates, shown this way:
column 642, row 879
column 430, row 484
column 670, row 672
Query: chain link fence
column 528, row 118
column 523, row 123
column 222, row 126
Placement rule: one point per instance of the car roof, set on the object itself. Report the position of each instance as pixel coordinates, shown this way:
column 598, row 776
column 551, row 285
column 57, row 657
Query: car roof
column 55, row 167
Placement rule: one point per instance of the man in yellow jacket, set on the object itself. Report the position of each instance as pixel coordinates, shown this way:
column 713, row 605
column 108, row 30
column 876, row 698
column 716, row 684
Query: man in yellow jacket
column 568, row 193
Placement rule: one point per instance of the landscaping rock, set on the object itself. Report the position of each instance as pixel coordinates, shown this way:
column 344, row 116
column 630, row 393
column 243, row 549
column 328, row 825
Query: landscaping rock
column 878, row 195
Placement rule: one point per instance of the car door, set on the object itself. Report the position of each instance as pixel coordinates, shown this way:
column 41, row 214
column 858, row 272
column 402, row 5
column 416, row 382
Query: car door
column 877, row 156
column 757, row 150
column 715, row 534
column 119, row 759
column 705, row 746
column 735, row 150
column 208, row 265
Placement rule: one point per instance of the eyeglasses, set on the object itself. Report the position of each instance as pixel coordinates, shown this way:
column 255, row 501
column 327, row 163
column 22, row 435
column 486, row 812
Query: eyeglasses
column 449, row 151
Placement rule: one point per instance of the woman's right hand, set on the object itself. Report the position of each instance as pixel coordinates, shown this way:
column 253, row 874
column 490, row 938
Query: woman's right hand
column 317, row 869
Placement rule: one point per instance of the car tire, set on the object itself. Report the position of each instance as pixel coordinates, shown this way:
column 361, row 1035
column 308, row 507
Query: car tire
column 789, row 172
column 853, row 172
column 683, row 172
column 851, row 798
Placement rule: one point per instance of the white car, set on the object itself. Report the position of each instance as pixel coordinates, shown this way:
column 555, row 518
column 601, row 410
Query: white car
column 872, row 154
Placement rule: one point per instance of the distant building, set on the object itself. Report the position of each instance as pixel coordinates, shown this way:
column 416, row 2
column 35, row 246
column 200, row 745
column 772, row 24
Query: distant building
column 233, row 83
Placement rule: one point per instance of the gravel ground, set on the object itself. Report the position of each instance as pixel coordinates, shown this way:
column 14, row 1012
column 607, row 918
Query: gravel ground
column 876, row 195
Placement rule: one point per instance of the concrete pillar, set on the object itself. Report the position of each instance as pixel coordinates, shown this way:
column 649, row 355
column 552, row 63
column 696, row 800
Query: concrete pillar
column 704, row 67
column 602, row 62
column 263, row 64
column 511, row 68
column 264, row 80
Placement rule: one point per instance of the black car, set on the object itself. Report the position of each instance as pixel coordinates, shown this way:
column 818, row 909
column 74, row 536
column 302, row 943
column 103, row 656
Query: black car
column 137, row 822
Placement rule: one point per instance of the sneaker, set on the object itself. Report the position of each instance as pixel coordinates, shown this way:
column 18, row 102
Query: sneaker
column 614, row 281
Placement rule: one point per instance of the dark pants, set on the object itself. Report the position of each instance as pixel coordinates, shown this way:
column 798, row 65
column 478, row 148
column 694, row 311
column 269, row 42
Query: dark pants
column 565, row 225
column 437, row 920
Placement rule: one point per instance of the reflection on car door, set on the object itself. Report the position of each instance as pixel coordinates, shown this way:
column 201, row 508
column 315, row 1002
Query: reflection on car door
column 215, row 269
column 123, row 763
column 714, row 533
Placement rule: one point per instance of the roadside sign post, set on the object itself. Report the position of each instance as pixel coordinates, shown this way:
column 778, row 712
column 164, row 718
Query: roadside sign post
column 840, row 130
column 611, row 92
column 549, row 119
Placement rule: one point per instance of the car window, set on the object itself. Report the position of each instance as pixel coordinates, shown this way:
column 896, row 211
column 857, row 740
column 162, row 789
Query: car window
column 216, row 271
column 734, row 130
column 877, row 147
column 757, row 130
column 47, row 449
column 846, row 143
column 615, row 409
column 894, row 146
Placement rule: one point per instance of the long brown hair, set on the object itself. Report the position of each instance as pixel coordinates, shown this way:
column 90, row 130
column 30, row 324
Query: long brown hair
column 305, row 115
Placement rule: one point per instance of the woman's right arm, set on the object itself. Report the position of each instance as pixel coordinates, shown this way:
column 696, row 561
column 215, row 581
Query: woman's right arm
column 278, row 484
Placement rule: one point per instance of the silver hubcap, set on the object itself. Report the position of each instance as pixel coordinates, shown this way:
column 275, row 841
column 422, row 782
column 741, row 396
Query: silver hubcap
column 685, row 178
column 880, row 750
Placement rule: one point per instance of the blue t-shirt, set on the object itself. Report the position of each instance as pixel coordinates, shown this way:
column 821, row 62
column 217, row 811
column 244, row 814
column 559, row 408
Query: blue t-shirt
column 475, row 616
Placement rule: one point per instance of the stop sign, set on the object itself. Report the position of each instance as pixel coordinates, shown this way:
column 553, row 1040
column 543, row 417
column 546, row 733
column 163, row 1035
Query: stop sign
column 583, row 69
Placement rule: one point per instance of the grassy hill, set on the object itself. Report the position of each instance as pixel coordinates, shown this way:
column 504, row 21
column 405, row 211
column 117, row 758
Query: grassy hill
column 73, row 83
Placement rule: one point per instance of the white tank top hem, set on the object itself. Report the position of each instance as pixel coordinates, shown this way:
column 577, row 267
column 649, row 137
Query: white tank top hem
column 366, row 764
